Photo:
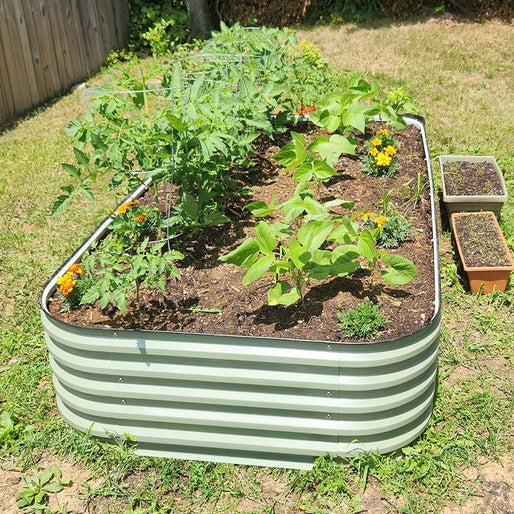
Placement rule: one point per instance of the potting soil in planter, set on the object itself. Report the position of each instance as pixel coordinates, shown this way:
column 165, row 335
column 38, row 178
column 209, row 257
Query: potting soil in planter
column 471, row 179
column 480, row 242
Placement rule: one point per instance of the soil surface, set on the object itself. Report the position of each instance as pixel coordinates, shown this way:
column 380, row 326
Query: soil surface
column 471, row 179
column 210, row 297
column 480, row 242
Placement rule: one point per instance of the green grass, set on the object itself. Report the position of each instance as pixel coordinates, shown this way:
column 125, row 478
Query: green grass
column 460, row 77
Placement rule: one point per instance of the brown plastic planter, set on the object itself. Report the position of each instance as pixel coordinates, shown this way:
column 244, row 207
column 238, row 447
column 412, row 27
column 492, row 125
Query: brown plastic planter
column 491, row 278
column 472, row 203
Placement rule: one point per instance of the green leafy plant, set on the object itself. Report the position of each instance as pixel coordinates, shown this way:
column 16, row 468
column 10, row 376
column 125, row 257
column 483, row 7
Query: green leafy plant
column 394, row 229
column 37, row 488
column 12, row 432
column 363, row 321
column 119, row 270
column 381, row 154
column 291, row 249
column 396, row 270
column 303, row 160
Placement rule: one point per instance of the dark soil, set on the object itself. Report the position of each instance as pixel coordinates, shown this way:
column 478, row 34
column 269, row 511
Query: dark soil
column 471, row 179
column 209, row 284
column 480, row 241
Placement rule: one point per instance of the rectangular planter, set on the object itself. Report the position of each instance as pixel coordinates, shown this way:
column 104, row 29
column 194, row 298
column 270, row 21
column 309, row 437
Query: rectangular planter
column 465, row 203
column 245, row 400
column 487, row 279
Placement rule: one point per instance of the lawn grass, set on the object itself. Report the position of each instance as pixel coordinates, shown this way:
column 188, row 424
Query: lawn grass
column 461, row 78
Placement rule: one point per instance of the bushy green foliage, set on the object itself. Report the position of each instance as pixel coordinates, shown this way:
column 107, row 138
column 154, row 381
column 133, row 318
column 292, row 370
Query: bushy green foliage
column 395, row 231
column 363, row 321
column 157, row 26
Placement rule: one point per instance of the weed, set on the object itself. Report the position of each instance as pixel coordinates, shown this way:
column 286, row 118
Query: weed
column 363, row 321
column 37, row 488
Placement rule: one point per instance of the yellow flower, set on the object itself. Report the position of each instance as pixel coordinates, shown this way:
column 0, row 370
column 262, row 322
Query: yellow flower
column 142, row 217
column 376, row 142
column 389, row 150
column 382, row 159
column 383, row 132
column 122, row 209
column 66, row 283
column 381, row 221
column 368, row 216
column 373, row 151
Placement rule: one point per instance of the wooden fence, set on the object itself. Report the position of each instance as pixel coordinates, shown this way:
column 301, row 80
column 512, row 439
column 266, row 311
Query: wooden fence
column 46, row 46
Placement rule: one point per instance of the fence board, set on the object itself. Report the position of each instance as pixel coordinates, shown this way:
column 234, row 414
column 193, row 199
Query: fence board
column 46, row 46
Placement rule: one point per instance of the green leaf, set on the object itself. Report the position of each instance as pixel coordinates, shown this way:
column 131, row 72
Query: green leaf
column 292, row 155
column 260, row 208
column 63, row 200
column 304, row 172
column 265, row 237
column 331, row 149
column 53, row 487
column 244, row 255
column 366, row 245
column 81, row 157
column 298, row 254
column 281, row 294
column 400, row 272
column 313, row 234
column 345, row 233
column 258, row 268
column 323, row 171
column 72, row 170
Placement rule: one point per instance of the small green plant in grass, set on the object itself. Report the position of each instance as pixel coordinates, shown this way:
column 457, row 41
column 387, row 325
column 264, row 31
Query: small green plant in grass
column 363, row 321
column 37, row 488
column 381, row 154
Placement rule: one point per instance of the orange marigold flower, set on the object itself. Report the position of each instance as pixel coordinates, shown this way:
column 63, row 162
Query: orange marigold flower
column 383, row 132
column 122, row 209
column 389, row 150
column 376, row 142
column 373, row 151
column 382, row 159
column 141, row 218
column 311, row 108
column 66, row 283
column 75, row 268
column 381, row 221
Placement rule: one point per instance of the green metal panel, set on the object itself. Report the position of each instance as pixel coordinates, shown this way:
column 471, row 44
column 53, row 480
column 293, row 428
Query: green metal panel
column 247, row 400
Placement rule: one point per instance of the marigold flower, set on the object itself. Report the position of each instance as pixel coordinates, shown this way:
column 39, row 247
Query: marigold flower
column 75, row 268
column 389, row 150
column 122, row 209
column 373, row 151
column 376, row 142
column 66, row 283
column 382, row 159
column 368, row 216
column 381, row 221
column 141, row 218
column 311, row 108
column 383, row 132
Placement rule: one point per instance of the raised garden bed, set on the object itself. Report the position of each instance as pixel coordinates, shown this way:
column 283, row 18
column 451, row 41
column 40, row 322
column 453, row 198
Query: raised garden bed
column 217, row 374
column 472, row 183
column 482, row 248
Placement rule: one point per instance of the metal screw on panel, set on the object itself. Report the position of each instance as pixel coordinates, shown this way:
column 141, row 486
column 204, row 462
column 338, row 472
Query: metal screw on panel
column 329, row 416
column 120, row 379
column 115, row 334
column 123, row 402
column 329, row 393
column 329, row 347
